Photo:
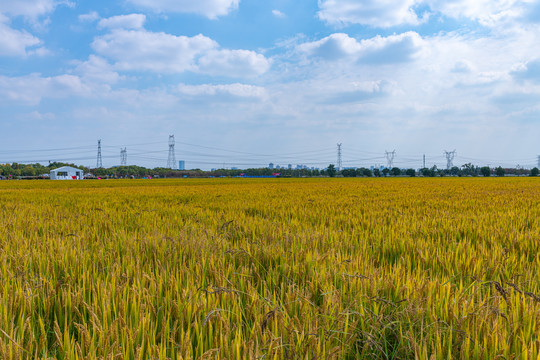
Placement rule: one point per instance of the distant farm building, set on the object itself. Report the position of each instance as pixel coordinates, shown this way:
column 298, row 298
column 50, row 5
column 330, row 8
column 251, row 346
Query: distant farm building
column 67, row 173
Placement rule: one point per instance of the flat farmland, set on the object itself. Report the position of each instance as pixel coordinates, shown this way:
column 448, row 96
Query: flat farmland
column 402, row 268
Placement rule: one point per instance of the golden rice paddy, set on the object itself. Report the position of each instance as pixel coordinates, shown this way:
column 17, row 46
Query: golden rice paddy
column 270, row 269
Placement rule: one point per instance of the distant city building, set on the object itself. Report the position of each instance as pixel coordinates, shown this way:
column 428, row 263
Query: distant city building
column 289, row 166
column 271, row 165
column 181, row 165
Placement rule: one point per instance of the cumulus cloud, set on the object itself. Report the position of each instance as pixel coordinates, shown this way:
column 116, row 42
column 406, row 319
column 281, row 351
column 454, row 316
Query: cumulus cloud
column 132, row 21
column 377, row 50
column 14, row 42
column 335, row 46
column 392, row 49
column 376, row 13
column 233, row 63
column 141, row 50
column 28, row 8
column 30, row 89
column 209, row 8
column 159, row 52
column 97, row 70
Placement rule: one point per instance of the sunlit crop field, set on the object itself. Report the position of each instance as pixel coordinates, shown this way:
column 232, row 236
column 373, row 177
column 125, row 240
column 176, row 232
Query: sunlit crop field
column 270, row 269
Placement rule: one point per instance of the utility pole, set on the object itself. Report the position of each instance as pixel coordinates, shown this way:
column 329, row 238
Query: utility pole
column 99, row 159
column 449, row 158
column 424, row 162
column 123, row 157
column 390, row 158
column 339, row 162
column 539, row 161
column 171, row 161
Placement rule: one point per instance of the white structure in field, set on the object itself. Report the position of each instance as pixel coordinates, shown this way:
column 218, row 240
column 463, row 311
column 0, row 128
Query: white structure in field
column 67, row 173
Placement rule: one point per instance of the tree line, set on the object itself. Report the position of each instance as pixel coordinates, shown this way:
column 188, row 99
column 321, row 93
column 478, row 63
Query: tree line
column 34, row 171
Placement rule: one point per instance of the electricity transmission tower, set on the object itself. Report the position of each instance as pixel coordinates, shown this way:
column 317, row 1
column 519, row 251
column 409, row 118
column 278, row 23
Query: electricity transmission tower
column 339, row 162
column 99, row 159
column 449, row 158
column 171, row 161
column 390, row 155
column 123, row 157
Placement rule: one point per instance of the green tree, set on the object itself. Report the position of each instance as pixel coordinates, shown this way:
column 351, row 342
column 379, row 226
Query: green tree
column 385, row 171
column 485, row 171
column 535, row 171
column 364, row 172
column 331, row 170
column 28, row 170
column 499, row 171
column 395, row 171
column 348, row 172
column 469, row 170
column 376, row 172
column 410, row 172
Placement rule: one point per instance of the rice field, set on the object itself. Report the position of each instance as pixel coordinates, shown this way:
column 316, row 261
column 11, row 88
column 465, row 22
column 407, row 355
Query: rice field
column 444, row 268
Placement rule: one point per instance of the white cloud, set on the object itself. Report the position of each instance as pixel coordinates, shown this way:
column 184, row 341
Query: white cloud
column 391, row 49
column 375, row 13
column 28, row 8
column 132, row 21
column 141, row 50
column 97, row 70
column 209, row 8
column 233, row 63
column 462, row 66
column 159, row 52
column 89, row 17
column 388, row 13
column 278, row 14
column 486, row 12
column 335, row 46
column 30, row 89
column 237, row 90
column 527, row 72
column 377, row 50
column 14, row 42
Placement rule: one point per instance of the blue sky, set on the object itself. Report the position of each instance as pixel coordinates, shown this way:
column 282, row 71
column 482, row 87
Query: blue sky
column 241, row 83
